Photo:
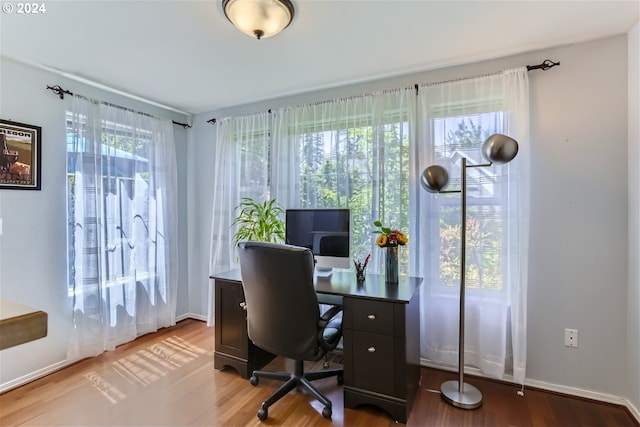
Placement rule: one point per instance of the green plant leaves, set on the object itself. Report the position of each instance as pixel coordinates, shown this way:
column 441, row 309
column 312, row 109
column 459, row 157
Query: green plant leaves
column 259, row 221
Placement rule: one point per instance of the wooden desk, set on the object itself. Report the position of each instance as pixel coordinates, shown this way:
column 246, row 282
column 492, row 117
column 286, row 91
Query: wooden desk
column 381, row 337
column 233, row 347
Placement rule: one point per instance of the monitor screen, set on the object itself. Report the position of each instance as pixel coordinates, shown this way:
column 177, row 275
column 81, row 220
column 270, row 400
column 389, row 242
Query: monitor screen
column 325, row 231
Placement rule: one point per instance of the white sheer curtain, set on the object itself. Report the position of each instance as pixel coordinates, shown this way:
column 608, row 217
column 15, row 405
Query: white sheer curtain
column 348, row 153
column 365, row 153
column 122, row 211
column 241, row 167
column 455, row 118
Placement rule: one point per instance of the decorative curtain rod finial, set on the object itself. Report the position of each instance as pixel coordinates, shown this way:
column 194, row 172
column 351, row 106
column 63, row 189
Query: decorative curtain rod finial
column 59, row 91
column 546, row 64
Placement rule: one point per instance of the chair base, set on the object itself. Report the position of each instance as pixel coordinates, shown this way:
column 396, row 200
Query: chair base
column 292, row 381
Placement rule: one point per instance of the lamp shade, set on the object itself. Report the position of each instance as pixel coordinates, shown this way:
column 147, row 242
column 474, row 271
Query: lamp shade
column 499, row 148
column 259, row 18
column 434, row 178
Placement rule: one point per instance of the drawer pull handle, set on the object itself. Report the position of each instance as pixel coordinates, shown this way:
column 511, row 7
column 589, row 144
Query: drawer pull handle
column 243, row 305
column 371, row 349
column 371, row 317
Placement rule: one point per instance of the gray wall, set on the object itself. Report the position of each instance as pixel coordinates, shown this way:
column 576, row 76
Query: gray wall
column 579, row 250
column 578, row 264
column 33, row 246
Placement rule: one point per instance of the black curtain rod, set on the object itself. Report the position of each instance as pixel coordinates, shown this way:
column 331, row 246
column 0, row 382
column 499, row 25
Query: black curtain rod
column 214, row 120
column 544, row 66
column 62, row 92
column 59, row 91
column 184, row 125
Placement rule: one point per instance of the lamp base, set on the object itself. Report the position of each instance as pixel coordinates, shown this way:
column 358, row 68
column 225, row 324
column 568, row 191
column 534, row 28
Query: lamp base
column 469, row 398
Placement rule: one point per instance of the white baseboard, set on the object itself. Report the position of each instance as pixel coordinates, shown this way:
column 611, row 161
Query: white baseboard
column 191, row 316
column 33, row 376
column 543, row 385
column 578, row 392
column 634, row 411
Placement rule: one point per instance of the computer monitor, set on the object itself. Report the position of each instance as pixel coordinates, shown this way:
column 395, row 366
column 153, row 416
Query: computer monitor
column 325, row 231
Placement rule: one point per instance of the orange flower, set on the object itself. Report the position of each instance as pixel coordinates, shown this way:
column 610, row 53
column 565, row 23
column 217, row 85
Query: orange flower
column 402, row 239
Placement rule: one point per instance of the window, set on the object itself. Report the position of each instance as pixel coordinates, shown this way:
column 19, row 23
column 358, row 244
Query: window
column 254, row 147
column 456, row 137
column 349, row 153
column 354, row 168
column 124, row 169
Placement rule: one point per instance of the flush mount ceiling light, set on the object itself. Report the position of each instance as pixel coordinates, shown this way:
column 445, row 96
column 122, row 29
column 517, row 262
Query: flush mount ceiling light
column 259, row 18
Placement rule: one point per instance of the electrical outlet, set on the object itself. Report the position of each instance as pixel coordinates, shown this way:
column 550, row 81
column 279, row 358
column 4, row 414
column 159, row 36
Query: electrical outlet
column 571, row 337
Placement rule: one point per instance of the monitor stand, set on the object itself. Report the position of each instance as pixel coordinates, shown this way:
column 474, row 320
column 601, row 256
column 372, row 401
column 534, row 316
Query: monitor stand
column 324, row 271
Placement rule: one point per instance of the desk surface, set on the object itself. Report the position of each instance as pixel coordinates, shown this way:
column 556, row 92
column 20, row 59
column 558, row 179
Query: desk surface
column 344, row 283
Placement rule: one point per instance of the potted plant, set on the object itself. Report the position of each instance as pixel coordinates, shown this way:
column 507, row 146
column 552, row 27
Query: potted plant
column 259, row 221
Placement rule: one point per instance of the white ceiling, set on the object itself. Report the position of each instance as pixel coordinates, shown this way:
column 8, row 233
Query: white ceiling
column 186, row 55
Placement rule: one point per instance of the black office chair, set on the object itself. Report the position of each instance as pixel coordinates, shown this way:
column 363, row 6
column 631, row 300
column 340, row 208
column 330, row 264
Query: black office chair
column 283, row 316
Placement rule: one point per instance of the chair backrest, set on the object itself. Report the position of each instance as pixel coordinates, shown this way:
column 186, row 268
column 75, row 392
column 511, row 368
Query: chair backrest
column 282, row 306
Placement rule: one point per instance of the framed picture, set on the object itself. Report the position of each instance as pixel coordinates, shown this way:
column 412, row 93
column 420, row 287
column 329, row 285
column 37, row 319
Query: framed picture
column 20, row 160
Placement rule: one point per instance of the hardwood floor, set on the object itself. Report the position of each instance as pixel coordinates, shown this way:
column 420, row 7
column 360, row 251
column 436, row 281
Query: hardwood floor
column 168, row 379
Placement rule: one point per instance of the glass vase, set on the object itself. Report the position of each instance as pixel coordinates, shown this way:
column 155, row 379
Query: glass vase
column 391, row 265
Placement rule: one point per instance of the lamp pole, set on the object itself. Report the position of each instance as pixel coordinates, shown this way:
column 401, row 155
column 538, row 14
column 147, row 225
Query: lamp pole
column 497, row 148
column 458, row 393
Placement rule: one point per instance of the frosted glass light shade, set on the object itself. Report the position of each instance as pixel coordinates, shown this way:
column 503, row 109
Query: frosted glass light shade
column 259, row 18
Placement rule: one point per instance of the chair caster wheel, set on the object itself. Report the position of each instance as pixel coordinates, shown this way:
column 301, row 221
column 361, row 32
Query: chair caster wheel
column 263, row 414
column 253, row 380
column 340, row 379
column 326, row 412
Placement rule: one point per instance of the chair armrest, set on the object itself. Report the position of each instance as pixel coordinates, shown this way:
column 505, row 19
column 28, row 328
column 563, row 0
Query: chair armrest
column 327, row 321
column 328, row 315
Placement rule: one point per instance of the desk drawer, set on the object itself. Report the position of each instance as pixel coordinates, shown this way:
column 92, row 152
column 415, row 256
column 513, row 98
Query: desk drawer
column 373, row 362
column 372, row 316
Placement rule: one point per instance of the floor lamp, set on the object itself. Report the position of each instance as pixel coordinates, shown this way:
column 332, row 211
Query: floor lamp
column 498, row 149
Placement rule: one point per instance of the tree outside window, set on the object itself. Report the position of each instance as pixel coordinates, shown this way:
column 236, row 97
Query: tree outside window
column 463, row 136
